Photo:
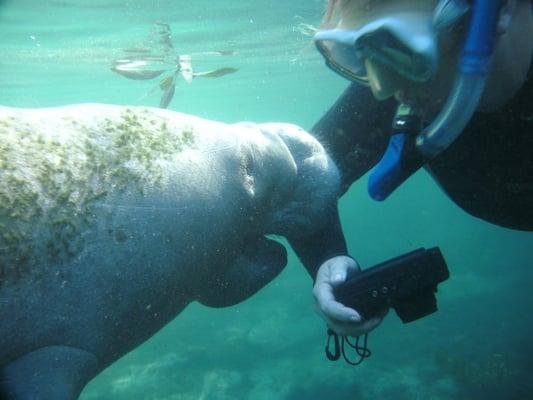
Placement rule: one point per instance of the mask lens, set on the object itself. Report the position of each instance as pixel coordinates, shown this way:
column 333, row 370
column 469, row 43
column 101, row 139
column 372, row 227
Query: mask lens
column 383, row 48
column 348, row 59
column 344, row 59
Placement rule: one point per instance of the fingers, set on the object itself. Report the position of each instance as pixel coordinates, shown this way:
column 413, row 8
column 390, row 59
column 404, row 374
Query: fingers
column 332, row 273
column 337, row 269
column 341, row 319
column 335, row 311
column 346, row 321
column 355, row 329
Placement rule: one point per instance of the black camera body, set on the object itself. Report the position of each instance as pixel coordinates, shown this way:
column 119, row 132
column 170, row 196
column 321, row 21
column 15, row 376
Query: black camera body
column 406, row 283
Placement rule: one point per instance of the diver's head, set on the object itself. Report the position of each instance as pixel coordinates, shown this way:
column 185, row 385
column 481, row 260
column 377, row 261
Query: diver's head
column 442, row 59
column 512, row 54
column 410, row 48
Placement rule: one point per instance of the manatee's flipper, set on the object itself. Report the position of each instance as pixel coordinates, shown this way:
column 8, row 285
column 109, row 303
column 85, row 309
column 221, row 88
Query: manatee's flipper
column 54, row 372
column 260, row 262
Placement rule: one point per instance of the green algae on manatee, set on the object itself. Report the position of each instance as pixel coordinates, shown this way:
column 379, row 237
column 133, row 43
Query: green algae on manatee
column 52, row 184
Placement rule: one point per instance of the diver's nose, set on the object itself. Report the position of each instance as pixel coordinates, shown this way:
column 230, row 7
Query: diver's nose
column 383, row 81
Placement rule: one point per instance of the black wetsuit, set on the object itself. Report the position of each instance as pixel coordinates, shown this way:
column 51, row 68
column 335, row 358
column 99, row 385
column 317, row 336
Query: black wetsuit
column 487, row 171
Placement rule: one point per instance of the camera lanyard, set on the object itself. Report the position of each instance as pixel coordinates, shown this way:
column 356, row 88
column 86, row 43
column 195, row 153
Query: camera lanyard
column 362, row 351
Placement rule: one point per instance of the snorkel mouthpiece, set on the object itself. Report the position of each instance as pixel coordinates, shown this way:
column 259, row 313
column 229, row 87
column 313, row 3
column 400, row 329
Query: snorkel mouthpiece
column 472, row 73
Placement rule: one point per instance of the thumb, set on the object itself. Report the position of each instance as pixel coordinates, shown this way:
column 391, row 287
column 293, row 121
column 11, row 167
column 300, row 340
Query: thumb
column 340, row 267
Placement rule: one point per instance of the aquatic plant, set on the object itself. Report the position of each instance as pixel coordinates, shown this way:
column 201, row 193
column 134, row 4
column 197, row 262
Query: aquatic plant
column 49, row 185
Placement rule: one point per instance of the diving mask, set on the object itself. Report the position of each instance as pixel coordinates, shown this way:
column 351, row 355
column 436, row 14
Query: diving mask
column 404, row 42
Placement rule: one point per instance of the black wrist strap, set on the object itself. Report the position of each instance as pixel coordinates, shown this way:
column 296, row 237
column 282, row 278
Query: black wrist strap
column 359, row 345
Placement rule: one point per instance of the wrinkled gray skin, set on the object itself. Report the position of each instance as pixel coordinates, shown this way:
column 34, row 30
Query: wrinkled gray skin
column 113, row 219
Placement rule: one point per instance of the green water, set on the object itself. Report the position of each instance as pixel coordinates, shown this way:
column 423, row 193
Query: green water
column 478, row 346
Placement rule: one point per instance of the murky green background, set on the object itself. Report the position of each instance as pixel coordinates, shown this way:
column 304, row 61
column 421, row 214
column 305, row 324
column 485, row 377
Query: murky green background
column 478, row 346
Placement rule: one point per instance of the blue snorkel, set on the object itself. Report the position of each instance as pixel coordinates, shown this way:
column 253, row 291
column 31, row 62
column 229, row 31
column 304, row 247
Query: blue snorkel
column 408, row 149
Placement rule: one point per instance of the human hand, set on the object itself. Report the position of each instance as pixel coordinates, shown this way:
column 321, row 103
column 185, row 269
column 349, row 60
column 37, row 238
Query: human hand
column 341, row 319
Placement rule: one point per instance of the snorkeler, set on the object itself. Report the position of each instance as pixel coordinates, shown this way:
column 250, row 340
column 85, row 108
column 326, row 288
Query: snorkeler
column 455, row 86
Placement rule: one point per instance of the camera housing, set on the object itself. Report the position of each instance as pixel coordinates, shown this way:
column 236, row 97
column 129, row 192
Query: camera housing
column 406, row 283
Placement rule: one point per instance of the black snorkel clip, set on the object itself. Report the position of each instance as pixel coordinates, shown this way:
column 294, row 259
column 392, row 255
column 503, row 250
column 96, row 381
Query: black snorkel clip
column 401, row 158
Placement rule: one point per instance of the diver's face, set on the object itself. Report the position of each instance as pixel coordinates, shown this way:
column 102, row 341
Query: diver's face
column 356, row 13
column 384, row 80
column 429, row 97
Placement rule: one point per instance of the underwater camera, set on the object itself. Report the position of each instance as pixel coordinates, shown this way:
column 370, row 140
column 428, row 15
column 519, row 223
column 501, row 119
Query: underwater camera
column 406, row 283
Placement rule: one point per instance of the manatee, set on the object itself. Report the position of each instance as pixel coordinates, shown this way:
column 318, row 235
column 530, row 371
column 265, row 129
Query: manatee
column 113, row 219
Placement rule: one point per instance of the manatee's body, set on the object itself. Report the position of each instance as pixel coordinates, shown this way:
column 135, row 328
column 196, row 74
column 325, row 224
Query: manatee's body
column 113, row 219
